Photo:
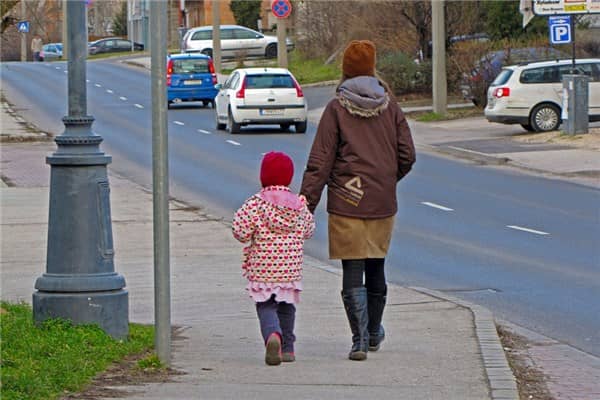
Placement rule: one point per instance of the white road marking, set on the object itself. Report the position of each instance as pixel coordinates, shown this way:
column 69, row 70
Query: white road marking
column 66, row 72
column 123, row 98
column 520, row 228
column 109, row 91
column 138, row 105
column 439, row 207
column 205, row 132
column 87, row 80
column 233, row 143
column 57, row 67
column 178, row 123
column 97, row 85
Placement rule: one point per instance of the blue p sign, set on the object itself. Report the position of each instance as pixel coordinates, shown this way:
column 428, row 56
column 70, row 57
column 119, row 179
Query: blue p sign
column 560, row 29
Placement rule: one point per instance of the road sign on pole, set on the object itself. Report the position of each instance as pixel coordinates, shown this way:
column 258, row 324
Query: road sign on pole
column 23, row 26
column 560, row 29
column 281, row 8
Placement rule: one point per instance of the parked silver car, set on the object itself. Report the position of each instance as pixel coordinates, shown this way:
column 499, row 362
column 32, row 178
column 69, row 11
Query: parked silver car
column 236, row 41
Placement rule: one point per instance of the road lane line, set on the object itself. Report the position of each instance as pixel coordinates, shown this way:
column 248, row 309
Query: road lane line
column 57, row 67
column 178, row 123
column 439, row 207
column 521, row 228
column 138, row 105
column 123, row 98
column 109, row 91
column 97, row 85
column 66, row 72
column 233, row 143
column 205, row 132
column 87, row 81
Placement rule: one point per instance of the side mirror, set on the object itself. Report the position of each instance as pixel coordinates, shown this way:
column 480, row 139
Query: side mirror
column 219, row 86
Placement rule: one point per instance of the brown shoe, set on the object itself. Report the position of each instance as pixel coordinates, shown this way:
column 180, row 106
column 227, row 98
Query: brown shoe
column 273, row 350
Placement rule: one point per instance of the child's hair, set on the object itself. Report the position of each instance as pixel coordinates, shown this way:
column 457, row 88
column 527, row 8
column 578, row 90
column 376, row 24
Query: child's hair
column 277, row 168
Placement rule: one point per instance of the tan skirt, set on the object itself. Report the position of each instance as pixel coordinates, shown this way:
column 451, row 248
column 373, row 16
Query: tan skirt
column 357, row 238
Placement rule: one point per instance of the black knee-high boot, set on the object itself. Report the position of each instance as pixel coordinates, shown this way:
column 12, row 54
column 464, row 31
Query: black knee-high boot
column 355, row 303
column 376, row 304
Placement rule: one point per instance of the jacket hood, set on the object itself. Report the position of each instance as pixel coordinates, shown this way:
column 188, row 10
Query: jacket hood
column 281, row 209
column 363, row 96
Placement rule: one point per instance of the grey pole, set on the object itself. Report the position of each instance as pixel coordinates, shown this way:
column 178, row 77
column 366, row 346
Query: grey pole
column 439, row 57
column 281, row 45
column 80, row 283
column 23, row 34
column 216, row 14
column 160, row 174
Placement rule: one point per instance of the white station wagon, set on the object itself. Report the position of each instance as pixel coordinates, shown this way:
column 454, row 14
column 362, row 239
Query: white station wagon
column 532, row 94
column 260, row 96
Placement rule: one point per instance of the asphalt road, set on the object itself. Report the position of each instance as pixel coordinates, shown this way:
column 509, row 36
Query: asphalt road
column 523, row 246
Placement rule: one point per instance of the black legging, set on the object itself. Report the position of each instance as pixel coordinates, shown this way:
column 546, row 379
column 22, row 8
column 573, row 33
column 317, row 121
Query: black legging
column 370, row 268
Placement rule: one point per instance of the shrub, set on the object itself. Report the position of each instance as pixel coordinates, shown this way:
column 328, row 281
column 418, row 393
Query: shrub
column 403, row 74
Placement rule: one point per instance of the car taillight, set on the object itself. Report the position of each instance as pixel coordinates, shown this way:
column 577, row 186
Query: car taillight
column 502, row 92
column 298, row 89
column 242, row 92
column 169, row 72
column 211, row 69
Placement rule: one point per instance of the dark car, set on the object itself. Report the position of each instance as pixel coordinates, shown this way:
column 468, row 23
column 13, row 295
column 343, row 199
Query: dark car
column 191, row 77
column 474, row 86
column 110, row 45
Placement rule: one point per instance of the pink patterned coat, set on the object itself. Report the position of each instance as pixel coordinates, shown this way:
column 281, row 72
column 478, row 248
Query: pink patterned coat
column 276, row 222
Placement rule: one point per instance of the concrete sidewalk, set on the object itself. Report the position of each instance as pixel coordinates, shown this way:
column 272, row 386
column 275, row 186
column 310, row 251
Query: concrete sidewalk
column 436, row 348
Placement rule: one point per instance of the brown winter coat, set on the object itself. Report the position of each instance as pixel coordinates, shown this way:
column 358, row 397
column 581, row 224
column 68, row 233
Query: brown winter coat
column 360, row 154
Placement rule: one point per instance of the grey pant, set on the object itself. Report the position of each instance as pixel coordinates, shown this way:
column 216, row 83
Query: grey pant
column 279, row 318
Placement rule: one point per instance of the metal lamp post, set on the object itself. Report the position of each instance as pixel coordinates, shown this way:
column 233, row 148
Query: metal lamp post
column 80, row 283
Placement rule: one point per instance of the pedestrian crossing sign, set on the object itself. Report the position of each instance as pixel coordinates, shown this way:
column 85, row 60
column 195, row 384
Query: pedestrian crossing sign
column 23, row 26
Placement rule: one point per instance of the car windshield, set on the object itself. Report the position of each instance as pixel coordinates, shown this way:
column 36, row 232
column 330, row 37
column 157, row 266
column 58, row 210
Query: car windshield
column 269, row 81
column 502, row 77
column 191, row 66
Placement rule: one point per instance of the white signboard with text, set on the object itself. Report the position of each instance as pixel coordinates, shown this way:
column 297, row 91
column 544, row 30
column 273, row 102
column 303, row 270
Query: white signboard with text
column 551, row 7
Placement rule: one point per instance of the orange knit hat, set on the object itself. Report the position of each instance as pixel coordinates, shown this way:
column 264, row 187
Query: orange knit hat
column 359, row 59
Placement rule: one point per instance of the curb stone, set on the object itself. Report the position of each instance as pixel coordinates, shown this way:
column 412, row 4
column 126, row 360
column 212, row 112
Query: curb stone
column 501, row 380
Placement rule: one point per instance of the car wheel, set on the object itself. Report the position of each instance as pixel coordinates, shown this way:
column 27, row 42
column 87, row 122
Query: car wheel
column 169, row 104
column 205, row 103
column 271, row 51
column 300, row 127
column 232, row 126
column 528, row 127
column 207, row 52
column 284, row 127
column 545, row 117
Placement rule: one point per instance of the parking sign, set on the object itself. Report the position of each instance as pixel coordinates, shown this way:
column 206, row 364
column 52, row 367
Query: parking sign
column 560, row 29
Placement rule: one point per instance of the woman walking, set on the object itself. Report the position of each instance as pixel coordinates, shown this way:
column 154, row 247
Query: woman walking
column 362, row 148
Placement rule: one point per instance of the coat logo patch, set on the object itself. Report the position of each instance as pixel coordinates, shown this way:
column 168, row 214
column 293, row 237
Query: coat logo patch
column 351, row 192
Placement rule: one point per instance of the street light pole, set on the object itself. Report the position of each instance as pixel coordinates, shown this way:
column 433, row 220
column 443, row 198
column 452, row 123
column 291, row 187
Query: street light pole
column 80, row 283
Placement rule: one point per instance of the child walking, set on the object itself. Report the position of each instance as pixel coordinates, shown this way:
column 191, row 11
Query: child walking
column 274, row 222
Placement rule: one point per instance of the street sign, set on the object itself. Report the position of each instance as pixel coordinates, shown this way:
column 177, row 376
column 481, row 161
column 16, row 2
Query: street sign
column 562, row 7
column 23, row 26
column 281, row 8
column 560, row 29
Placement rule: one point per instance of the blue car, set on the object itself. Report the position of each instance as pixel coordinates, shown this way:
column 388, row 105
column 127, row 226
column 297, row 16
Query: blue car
column 191, row 77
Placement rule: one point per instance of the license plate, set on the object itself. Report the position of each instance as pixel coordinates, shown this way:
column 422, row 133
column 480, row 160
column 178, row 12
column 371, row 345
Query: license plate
column 192, row 82
column 271, row 111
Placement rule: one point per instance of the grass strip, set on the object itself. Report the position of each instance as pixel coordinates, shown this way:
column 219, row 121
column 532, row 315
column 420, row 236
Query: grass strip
column 57, row 357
